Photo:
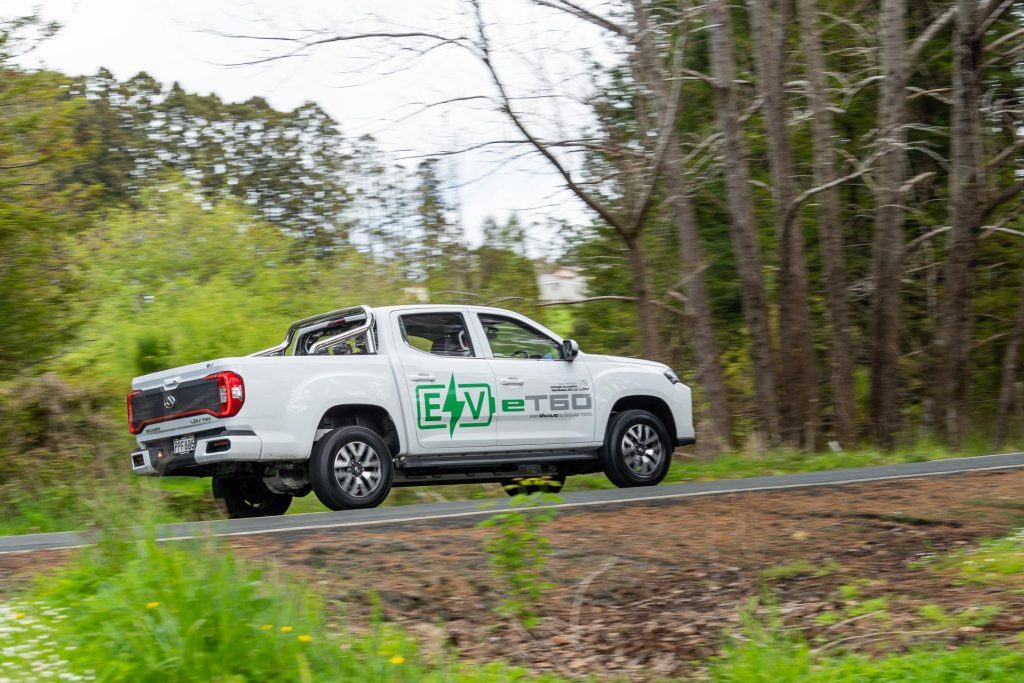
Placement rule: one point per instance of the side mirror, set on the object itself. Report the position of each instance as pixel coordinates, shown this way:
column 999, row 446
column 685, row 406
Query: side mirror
column 570, row 349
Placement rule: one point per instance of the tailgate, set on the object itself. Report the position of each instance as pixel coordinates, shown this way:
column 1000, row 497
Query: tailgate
column 193, row 390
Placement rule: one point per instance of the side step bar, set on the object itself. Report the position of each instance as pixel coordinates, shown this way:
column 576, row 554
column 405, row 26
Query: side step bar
column 492, row 460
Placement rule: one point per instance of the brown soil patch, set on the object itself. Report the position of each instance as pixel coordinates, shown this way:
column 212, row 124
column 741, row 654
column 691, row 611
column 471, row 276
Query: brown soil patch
column 665, row 581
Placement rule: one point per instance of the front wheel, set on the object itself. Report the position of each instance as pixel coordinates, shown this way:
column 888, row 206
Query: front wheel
column 241, row 497
column 637, row 449
column 351, row 469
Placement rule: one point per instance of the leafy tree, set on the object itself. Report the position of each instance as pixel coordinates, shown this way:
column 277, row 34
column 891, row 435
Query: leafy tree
column 442, row 254
column 176, row 282
column 38, row 146
column 291, row 167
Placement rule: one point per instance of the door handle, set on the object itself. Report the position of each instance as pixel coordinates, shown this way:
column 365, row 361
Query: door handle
column 421, row 377
column 512, row 381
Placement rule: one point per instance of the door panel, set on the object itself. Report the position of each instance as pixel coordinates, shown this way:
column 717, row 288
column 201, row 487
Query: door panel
column 449, row 386
column 541, row 400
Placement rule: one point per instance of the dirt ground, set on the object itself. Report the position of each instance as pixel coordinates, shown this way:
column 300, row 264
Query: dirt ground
column 648, row 591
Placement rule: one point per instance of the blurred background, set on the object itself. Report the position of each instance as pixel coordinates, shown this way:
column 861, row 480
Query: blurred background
column 811, row 210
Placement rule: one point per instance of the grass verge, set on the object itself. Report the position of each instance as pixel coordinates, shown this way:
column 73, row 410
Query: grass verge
column 766, row 652
column 136, row 610
column 997, row 560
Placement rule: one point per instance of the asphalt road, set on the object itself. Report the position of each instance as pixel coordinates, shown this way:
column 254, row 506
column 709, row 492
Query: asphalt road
column 469, row 509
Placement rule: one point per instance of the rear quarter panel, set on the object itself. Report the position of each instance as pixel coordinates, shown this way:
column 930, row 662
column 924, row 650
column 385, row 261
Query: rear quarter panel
column 287, row 396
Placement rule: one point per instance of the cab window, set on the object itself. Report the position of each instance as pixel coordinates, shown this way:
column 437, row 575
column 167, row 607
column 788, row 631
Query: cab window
column 441, row 334
column 509, row 338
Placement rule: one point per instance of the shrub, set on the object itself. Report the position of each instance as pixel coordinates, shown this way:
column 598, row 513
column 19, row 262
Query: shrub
column 517, row 552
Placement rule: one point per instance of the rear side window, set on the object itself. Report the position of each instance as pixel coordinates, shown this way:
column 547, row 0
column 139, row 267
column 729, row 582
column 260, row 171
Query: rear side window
column 441, row 334
column 510, row 338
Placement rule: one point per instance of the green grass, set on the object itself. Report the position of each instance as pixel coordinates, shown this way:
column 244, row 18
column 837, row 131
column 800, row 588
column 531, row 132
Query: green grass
column 794, row 663
column 131, row 609
column 801, row 567
column 769, row 653
column 976, row 615
column 994, row 561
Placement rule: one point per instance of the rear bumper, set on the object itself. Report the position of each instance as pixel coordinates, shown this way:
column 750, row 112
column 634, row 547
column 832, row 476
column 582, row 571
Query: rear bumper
column 157, row 458
column 685, row 441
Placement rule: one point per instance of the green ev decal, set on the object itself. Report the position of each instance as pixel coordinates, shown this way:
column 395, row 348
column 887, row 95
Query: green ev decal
column 465, row 405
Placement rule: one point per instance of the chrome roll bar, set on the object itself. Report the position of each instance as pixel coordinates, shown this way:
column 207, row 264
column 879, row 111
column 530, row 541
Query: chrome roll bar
column 311, row 323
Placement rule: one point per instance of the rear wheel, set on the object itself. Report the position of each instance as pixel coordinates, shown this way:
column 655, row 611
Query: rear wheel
column 637, row 449
column 352, row 468
column 528, row 485
column 248, row 497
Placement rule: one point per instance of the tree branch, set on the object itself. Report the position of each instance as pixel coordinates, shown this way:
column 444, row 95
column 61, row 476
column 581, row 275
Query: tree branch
column 999, row 226
column 303, row 45
column 1002, row 40
column 988, row 15
column 1003, row 197
column 1007, row 154
column 917, row 47
column 586, row 15
column 811, row 191
column 506, row 105
column 665, row 126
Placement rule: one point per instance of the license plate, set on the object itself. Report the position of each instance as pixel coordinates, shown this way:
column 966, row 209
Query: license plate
column 184, row 445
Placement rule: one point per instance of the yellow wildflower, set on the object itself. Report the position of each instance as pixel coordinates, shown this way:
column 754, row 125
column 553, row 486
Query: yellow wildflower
column 19, row 615
column 397, row 659
column 266, row 627
column 286, row 629
column 305, row 638
column 152, row 605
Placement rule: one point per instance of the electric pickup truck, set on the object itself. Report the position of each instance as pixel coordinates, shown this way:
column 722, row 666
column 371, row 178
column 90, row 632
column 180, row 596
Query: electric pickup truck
column 358, row 400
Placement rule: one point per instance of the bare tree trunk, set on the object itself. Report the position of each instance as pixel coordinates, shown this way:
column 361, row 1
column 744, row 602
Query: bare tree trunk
column 743, row 229
column 830, row 234
column 887, row 255
column 949, row 377
column 1011, row 361
column 799, row 402
column 642, row 291
column 709, row 367
column 650, row 73
column 637, row 185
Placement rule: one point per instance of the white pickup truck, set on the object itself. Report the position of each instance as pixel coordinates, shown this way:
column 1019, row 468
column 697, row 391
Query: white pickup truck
column 358, row 400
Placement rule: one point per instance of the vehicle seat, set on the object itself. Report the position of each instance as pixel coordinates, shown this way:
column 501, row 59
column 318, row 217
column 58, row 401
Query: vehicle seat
column 451, row 345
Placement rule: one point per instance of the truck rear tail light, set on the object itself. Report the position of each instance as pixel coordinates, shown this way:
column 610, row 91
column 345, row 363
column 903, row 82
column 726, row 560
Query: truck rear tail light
column 231, row 391
column 131, row 418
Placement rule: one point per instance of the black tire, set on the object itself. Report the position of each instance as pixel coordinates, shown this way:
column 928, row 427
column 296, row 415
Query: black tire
column 352, row 468
column 628, row 462
column 528, row 485
column 240, row 497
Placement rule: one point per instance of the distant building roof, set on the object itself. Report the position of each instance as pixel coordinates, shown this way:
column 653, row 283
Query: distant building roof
column 562, row 283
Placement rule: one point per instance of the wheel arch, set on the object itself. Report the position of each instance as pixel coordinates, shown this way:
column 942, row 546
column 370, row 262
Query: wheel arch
column 652, row 404
column 367, row 415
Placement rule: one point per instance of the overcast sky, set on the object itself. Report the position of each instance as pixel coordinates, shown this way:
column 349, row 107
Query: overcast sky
column 172, row 41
